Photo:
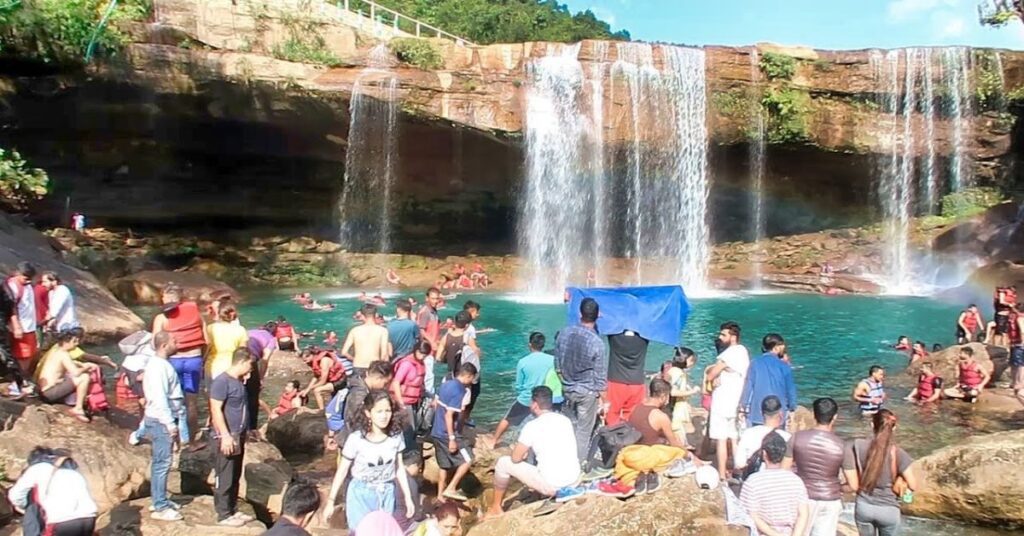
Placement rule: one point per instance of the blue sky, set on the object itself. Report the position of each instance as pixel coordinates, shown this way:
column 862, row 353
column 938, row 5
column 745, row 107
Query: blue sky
column 838, row 24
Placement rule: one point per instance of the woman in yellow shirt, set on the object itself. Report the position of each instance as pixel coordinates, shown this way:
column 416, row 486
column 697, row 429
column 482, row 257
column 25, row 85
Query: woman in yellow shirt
column 223, row 337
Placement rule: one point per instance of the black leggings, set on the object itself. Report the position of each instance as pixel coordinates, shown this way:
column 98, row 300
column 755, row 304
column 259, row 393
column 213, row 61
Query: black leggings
column 75, row 527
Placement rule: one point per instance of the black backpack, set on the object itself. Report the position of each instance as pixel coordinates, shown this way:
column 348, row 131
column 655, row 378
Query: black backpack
column 607, row 442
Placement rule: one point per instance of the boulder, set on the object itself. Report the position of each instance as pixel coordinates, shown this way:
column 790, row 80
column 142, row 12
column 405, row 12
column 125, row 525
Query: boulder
column 944, row 363
column 680, row 507
column 976, row 482
column 143, row 288
column 298, row 434
column 983, row 281
column 115, row 471
column 132, row 519
column 99, row 312
column 817, row 283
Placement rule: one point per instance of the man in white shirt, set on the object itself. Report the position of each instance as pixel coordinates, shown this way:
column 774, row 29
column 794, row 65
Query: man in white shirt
column 61, row 309
column 552, row 439
column 164, row 399
column 751, row 439
column 729, row 373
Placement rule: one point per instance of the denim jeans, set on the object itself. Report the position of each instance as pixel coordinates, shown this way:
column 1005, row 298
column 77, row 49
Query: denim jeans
column 161, row 464
column 582, row 411
column 181, row 421
column 363, row 498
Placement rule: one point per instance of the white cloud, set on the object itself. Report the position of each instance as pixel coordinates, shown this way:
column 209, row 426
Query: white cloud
column 903, row 10
column 604, row 14
column 947, row 25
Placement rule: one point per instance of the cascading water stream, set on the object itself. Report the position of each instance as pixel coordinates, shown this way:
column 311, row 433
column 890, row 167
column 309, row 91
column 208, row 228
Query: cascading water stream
column 757, row 170
column 956, row 71
column 599, row 168
column 366, row 205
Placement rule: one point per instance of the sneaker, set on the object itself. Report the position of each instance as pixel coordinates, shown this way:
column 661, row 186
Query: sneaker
column 133, row 440
column 615, row 489
column 681, row 468
column 455, row 496
column 13, row 391
column 546, row 508
column 653, row 482
column 641, row 484
column 230, row 521
column 244, row 517
column 167, row 514
column 171, row 505
column 597, row 473
column 567, row 494
column 470, row 423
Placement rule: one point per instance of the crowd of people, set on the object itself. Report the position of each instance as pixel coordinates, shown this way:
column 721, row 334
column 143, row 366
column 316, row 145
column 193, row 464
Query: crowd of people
column 590, row 418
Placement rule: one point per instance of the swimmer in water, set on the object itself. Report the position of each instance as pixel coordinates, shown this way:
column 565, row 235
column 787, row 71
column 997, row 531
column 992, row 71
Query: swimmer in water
column 902, row 344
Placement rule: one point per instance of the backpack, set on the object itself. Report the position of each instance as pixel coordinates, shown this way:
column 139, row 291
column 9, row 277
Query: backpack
column 335, row 411
column 96, row 399
column 607, row 443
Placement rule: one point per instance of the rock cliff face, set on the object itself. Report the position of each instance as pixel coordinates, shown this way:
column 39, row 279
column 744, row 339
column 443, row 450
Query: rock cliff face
column 204, row 127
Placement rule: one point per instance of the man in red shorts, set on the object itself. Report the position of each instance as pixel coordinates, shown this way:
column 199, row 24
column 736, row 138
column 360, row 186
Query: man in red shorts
column 24, row 345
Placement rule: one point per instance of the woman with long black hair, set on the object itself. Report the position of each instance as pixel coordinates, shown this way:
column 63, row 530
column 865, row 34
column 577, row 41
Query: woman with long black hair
column 880, row 472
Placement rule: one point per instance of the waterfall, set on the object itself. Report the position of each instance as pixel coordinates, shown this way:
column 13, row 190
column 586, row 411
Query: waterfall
column 566, row 217
column 956, row 71
column 931, row 179
column 558, row 193
column 757, row 170
column 365, row 208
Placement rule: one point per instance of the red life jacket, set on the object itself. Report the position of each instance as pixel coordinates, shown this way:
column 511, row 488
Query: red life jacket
column 1010, row 295
column 185, row 324
column 925, row 386
column 1014, row 329
column 412, row 388
column 337, row 371
column 970, row 321
column 96, row 400
column 285, row 402
column 284, row 331
column 970, row 376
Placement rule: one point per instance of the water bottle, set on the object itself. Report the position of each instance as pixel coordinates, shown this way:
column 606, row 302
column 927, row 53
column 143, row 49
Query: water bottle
column 908, row 496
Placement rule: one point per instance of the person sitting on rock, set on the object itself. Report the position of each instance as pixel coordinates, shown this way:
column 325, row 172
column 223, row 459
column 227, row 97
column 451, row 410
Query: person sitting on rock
column 52, row 480
column 774, row 497
column 299, row 505
column 659, row 446
column 445, row 521
column 929, row 385
column 60, row 377
column 289, row 400
column 330, row 374
column 552, row 439
column 392, row 277
column 285, row 334
column 972, row 378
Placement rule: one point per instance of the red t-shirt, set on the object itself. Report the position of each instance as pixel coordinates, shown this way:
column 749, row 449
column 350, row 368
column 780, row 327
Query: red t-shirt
column 42, row 295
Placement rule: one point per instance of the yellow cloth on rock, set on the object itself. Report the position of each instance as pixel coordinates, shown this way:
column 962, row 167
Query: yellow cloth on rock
column 636, row 459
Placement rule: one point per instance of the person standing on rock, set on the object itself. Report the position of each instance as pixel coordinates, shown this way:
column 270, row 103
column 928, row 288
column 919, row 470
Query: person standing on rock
column 60, row 309
column 582, row 366
column 164, row 400
column 531, row 372
column 223, row 338
column 24, row 343
column 880, row 472
column 230, row 422
column 1017, row 360
column 870, row 392
column 299, row 505
column 366, row 343
column 627, row 353
column 775, row 497
column 403, row 333
column 183, row 321
column 551, row 438
column 769, row 376
column 730, row 372
column 818, row 456
column 427, row 320
column 967, row 325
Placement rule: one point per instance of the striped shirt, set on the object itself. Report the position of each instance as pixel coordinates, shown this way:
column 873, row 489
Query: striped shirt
column 774, row 495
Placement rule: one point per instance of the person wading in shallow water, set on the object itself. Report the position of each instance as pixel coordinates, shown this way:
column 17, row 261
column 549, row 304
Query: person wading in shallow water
column 870, row 392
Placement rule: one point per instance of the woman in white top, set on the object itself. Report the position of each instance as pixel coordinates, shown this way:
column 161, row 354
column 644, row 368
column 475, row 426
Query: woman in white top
column 62, row 492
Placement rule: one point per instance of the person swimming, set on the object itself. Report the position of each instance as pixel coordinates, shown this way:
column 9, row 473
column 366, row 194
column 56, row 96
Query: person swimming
column 902, row 344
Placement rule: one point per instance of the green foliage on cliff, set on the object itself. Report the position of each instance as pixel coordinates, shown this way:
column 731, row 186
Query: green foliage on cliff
column 970, row 201
column 787, row 110
column 778, row 66
column 988, row 82
column 59, row 31
column 19, row 183
column 501, row 21
column 417, row 52
column 305, row 43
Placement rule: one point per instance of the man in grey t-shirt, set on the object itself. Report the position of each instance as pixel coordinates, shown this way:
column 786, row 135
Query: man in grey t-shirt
column 818, row 456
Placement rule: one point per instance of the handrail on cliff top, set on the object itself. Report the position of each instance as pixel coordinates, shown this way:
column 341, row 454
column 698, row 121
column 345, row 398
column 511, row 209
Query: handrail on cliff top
column 420, row 27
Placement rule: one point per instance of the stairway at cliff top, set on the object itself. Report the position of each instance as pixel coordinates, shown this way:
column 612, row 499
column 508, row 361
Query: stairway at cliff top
column 567, row 222
column 916, row 85
column 365, row 209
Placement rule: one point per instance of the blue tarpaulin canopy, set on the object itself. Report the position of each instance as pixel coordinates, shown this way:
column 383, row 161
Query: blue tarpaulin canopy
column 656, row 313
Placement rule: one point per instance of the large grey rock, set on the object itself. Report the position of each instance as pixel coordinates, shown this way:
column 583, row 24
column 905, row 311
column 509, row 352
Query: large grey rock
column 145, row 287
column 132, row 519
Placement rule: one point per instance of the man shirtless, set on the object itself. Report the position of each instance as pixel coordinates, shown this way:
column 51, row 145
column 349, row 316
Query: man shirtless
column 369, row 339
column 61, row 376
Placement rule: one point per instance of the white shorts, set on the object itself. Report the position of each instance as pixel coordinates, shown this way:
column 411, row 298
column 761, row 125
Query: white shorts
column 722, row 426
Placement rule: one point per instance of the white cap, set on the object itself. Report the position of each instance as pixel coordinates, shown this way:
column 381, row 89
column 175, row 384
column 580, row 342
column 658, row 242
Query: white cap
column 707, row 477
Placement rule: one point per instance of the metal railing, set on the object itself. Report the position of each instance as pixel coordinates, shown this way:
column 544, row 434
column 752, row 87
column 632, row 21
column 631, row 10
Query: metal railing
column 389, row 17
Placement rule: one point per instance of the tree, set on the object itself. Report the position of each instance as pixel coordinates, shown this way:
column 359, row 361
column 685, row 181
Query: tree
column 1000, row 12
column 20, row 184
